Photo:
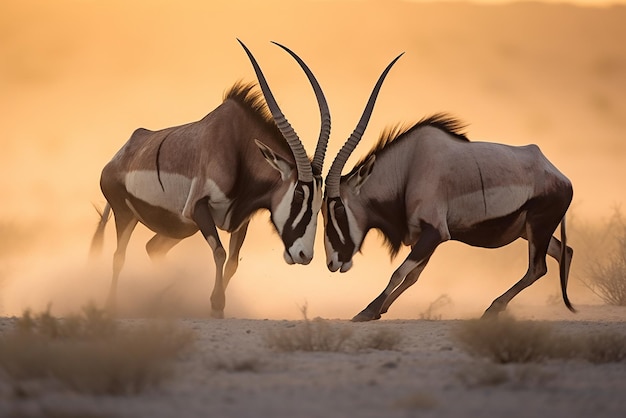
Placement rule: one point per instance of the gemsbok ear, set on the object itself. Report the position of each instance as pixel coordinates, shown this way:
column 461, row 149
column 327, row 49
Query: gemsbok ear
column 359, row 178
column 284, row 167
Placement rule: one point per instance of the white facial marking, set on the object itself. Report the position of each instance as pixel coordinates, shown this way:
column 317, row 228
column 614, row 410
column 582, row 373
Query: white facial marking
column 282, row 210
column 355, row 232
column 304, row 244
column 298, row 218
column 333, row 220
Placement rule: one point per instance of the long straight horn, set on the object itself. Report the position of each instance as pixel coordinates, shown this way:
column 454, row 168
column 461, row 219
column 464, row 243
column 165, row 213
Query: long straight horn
column 334, row 174
column 305, row 173
column 322, row 142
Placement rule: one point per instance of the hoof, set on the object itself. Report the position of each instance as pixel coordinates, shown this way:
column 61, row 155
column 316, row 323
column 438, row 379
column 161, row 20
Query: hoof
column 365, row 316
column 491, row 314
column 217, row 314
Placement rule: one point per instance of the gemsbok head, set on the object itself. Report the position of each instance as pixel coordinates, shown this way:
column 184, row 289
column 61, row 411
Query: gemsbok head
column 425, row 184
column 242, row 157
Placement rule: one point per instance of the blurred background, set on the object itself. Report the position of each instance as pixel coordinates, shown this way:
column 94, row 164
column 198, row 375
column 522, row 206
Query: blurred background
column 78, row 76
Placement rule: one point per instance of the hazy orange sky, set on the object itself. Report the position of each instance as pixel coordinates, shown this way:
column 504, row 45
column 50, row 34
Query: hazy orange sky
column 78, row 76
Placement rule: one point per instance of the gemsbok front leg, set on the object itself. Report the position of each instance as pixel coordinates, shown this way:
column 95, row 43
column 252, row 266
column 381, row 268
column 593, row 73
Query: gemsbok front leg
column 408, row 273
column 202, row 217
column 408, row 281
column 236, row 241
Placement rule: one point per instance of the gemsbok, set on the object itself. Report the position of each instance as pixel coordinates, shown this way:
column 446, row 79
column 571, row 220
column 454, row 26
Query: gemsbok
column 424, row 184
column 217, row 173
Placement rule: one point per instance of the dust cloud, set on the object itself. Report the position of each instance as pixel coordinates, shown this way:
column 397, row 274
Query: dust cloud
column 77, row 77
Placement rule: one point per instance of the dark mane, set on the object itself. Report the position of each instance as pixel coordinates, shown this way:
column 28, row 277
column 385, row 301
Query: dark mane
column 394, row 134
column 251, row 99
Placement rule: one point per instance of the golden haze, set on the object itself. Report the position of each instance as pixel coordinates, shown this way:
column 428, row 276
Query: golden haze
column 78, row 76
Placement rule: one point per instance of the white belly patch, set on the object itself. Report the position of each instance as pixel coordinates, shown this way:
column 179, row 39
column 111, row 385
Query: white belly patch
column 177, row 194
column 172, row 196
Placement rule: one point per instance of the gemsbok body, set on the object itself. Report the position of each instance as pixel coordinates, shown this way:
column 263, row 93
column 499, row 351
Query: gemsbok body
column 425, row 184
column 217, row 173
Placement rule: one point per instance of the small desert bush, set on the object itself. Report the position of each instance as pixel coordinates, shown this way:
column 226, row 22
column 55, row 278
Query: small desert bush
column 322, row 335
column 430, row 313
column 380, row 339
column 309, row 335
column 506, row 340
column 604, row 265
column 89, row 352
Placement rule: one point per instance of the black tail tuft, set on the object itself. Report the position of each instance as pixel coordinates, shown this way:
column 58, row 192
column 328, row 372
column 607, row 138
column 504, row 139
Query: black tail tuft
column 98, row 237
column 564, row 266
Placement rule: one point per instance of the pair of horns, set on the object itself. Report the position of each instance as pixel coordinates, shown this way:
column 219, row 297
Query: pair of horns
column 306, row 169
column 334, row 174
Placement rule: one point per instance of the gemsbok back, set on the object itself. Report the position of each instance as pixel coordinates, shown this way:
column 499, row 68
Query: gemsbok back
column 425, row 184
column 216, row 173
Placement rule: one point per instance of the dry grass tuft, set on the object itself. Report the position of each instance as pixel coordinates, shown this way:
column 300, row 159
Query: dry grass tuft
column 309, row 335
column 381, row 339
column 506, row 340
column 321, row 335
column 89, row 353
column 604, row 262
column 430, row 313
column 604, row 347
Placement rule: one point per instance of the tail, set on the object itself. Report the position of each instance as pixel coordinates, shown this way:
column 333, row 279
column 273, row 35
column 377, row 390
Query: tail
column 564, row 266
column 98, row 236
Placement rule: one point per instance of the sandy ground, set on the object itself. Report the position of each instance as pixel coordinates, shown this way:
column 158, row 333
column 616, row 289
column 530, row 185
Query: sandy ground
column 231, row 372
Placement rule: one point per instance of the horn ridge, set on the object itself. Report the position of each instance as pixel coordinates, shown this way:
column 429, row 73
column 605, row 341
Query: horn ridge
column 334, row 174
column 322, row 142
column 305, row 172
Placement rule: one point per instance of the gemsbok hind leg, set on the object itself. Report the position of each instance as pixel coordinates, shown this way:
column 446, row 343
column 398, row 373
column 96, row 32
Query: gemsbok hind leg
column 539, row 236
column 417, row 259
column 159, row 245
column 125, row 222
column 202, row 217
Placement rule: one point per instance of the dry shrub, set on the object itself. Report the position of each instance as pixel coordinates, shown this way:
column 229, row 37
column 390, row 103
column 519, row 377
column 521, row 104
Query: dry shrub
column 604, row 347
column 89, row 353
column 309, row 335
column 321, row 335
column 429, row 314
column 604, row 263
column 381, row 339
column 506, row 340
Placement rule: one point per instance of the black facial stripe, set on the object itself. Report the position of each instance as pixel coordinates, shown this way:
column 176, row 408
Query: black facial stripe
column 344, row 249
column 290, row 232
